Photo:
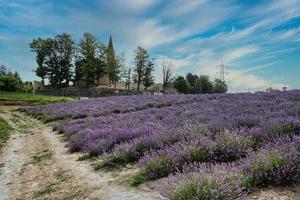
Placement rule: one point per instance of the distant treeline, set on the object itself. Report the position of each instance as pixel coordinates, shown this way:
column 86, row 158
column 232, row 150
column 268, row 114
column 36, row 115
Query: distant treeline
column 61, row 61
column 11, row 81
column 193, row 84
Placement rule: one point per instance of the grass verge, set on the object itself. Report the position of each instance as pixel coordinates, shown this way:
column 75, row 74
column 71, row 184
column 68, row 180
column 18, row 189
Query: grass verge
column 5, row 131
column 33, row 98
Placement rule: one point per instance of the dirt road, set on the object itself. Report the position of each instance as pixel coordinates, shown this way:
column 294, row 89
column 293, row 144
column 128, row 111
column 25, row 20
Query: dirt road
column 35, row 164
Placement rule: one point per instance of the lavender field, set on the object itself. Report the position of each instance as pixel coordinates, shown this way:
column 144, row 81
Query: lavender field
column 214, row 146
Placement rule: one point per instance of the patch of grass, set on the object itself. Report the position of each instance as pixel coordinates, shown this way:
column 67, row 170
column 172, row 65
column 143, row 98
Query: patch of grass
column 86, row 156
column 1, row 165
column 44, row 155
column 46, row 190
column 60, row 177
column 137, row 180
column 34, row 98
column 5, row 131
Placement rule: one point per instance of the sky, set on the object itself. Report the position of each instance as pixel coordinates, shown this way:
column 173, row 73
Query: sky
column 258, row 40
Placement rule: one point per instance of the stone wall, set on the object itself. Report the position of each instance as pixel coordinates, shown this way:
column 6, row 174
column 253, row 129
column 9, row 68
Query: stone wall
column 84, row 92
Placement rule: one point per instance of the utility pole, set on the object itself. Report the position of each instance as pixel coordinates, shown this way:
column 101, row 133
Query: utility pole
column 222, row 70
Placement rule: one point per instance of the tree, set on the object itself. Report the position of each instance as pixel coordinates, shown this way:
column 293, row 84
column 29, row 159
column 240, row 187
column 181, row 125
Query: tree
column 141, row 59
column 112, row 63
column 203, row 85
column 148, row 78
column 86, row 61
column 220, row 86
column 10, row 81
column 126, row 76
column 101, row 64
column 39, row 47
column 54, row 58
column 167, row 71
column 41, row 71
column 2, row 70
column 65, row 51
column 191, row 78
column 182, row 85
column 120, row 67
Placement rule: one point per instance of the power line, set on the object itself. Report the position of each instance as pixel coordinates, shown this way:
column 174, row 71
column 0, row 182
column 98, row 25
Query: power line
column 222, row 71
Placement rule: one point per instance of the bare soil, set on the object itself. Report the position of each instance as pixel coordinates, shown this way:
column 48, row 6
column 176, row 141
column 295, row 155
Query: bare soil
column 36, row 164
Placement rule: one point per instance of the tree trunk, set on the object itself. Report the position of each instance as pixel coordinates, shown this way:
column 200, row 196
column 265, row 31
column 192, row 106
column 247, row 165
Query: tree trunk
column 43, row 82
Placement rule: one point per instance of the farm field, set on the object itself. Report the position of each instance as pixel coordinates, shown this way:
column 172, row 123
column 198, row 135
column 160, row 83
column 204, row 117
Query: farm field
column 218, row 146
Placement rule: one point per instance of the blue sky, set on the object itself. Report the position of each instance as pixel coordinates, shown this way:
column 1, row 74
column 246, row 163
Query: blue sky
column 259, row 40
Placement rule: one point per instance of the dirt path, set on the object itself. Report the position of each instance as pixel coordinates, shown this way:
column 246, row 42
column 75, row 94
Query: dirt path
column 35, row 164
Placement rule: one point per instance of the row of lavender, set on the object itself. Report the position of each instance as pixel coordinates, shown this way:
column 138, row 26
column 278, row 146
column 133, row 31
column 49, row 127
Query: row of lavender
column 210, row 147
column 106, row 105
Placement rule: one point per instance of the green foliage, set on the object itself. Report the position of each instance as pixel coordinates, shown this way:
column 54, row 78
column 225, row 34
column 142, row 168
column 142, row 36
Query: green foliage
column 182, row 85
column 220, row 86
column 148, row 78
column 159, row 166
column 203, row 85
column 5, row 131
column 86, row 60
column 141, row 60
column 191, row 78
column 10, row 81
column 191, row 189
column 167, row 74
column 263, row 169
column 27, row 87
column 113, row 63
column 54, row 58
column 137, row 180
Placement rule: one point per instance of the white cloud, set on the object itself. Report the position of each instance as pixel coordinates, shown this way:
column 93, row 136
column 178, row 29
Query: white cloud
column 136, row 5
column 247, row 40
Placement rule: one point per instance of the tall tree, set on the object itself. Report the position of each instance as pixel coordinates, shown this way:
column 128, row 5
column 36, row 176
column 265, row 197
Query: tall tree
column 203, row 85
column 101, row 64
column 54, row 58
column 39, row 47
column 220, row 86
column 148, row 78
column 141, row 60
column 86, row 61
column 167, row 72
column 191, row 78
column 3, row 69
column 65, row 52
column 182, row 85
column 112, row 63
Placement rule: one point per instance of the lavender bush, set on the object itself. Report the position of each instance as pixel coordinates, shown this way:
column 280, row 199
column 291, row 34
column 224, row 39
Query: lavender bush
column 206, row 182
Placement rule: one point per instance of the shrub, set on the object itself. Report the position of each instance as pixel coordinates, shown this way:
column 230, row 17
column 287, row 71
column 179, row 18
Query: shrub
column 231, row 146
column 207, row 182
column 282, row 126
column 133, row 150
column 274, row 164
column 161, row 163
